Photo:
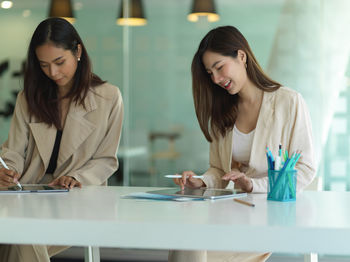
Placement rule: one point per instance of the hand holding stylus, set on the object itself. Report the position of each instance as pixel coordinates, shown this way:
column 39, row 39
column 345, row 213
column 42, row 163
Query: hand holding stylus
column 8, row 177
column 188, row 179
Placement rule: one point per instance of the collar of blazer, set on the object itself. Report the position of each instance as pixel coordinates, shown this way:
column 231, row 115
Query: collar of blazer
column 76, row 130
column 261, row 136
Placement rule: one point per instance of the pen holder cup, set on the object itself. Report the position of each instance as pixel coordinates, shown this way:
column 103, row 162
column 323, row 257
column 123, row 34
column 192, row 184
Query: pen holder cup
column 282, row 185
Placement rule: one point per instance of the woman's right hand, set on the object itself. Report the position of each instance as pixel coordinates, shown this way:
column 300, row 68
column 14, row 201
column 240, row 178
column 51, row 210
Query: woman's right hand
column 8, row 177
column 188, row 181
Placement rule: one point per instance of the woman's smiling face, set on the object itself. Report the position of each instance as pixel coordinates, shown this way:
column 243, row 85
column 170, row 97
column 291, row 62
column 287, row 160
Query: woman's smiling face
column 225, row 71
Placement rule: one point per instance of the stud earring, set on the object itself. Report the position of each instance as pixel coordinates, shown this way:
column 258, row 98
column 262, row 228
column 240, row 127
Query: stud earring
column 78, row 59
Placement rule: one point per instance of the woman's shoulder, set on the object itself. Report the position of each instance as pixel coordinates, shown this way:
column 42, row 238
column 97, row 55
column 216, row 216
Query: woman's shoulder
column 21, row 99
column 288, row 99
column 284, row 91
column 106, row 90
column 21, row 95
column 286, row 94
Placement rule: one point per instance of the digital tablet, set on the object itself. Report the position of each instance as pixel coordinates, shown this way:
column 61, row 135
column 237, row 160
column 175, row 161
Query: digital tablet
column 206, row 193
column 33, row 189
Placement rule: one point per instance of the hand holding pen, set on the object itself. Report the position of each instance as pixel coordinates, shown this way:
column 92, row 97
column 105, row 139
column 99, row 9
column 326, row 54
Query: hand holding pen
column 188, row 179
column 7, row 176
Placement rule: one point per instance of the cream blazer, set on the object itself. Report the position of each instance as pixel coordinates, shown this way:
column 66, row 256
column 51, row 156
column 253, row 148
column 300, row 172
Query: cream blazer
column 88, row 146
column 283, row 118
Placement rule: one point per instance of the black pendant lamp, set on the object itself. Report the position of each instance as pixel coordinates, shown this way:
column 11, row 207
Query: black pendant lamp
column 135, row 16
column 203, row 8
column 62, row 8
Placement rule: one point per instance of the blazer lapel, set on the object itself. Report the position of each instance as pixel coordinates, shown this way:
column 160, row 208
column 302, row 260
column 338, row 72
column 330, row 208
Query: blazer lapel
column 263, row 129
column 77, row 129
column 227, row 146
column 44, row 137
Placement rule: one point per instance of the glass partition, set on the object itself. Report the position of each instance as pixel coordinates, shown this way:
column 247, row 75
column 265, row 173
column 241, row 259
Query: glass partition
column 302, row 44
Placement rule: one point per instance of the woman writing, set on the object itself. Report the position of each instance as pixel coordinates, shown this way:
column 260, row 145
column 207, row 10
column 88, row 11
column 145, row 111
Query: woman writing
column 241, row 111
column 66, row 126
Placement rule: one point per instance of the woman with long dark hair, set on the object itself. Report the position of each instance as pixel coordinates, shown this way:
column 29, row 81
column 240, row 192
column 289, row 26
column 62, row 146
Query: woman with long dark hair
column 67, row 123
column 241, row 111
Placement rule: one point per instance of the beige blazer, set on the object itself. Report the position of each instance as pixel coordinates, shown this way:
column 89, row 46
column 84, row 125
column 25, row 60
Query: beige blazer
column 283, row 118
column 89, row 141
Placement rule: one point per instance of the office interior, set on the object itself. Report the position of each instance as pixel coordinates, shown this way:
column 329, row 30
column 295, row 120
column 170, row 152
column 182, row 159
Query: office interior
column 303, row 44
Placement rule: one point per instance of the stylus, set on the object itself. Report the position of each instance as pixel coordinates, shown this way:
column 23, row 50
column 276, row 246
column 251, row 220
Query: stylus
column 179, row 176
column 5, row 166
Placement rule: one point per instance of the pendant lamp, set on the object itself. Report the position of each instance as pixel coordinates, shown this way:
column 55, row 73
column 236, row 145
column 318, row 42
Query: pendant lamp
column 203, row 8
column 6, row 4
column 135, row 17
column 63, row 9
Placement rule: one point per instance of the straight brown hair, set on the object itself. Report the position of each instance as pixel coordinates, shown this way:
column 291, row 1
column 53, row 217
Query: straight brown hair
column 216, row 109
column 40, row 91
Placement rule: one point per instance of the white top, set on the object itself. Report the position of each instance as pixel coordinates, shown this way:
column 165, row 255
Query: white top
column 242, row 145
column 98, row 216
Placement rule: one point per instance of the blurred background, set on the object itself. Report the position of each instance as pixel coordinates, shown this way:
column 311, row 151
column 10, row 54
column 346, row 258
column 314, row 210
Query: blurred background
column 303, row 44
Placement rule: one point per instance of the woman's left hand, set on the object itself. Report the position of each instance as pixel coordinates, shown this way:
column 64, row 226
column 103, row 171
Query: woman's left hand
column 66, row 181
column 240, row 180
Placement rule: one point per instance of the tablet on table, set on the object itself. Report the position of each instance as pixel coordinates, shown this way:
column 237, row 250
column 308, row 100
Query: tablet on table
column 33, row 189
column 206, row 193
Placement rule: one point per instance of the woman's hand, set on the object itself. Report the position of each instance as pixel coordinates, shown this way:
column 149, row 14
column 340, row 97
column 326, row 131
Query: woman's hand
column 8, row 177
column 240, row 180
column 188, row 181
column 66, row 181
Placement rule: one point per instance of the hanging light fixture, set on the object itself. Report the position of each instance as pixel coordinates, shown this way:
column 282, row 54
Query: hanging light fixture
column 6, row 4
column 62, row 8
column 203, row 8
column 135, row 16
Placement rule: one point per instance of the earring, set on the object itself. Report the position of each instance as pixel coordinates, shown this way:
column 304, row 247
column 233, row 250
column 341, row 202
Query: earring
column 78, row 59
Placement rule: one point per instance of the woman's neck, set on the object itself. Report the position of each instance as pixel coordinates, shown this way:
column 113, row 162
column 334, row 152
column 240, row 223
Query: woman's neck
column 250, row 94
column 63, row 91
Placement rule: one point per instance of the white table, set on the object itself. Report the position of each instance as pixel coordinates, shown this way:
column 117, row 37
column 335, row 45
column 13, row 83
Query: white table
column 97, row 216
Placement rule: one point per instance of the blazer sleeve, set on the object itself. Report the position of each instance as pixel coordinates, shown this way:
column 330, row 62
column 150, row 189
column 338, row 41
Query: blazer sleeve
column 300, row 138
column 14, row 149
column 212, row 177
column 104, row 162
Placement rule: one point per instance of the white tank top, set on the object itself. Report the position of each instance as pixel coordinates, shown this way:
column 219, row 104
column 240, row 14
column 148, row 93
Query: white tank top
column 242, row 145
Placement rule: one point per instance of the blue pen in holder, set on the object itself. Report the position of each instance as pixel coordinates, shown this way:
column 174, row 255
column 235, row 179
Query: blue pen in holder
column 282, row 185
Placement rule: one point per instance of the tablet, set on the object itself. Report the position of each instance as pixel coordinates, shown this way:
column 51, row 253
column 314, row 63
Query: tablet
column 33, row 189
column 204, row 193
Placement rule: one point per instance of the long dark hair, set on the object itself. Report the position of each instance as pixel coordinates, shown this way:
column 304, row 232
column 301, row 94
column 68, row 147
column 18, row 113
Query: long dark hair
column 40, row 91
column 216, row 110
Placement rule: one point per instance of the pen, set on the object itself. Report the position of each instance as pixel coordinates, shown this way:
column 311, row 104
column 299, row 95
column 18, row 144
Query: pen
column 5, row 166
column 244, row 202
column 179, row 176
column 280, row 150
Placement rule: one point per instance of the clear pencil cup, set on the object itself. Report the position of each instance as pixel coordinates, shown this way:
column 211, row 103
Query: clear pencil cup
column 282, row 185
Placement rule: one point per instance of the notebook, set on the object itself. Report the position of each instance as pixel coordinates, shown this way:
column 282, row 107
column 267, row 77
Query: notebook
column 204, row 193
column 33, row 189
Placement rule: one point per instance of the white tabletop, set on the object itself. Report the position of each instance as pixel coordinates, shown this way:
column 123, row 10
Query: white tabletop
column 98, row 216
